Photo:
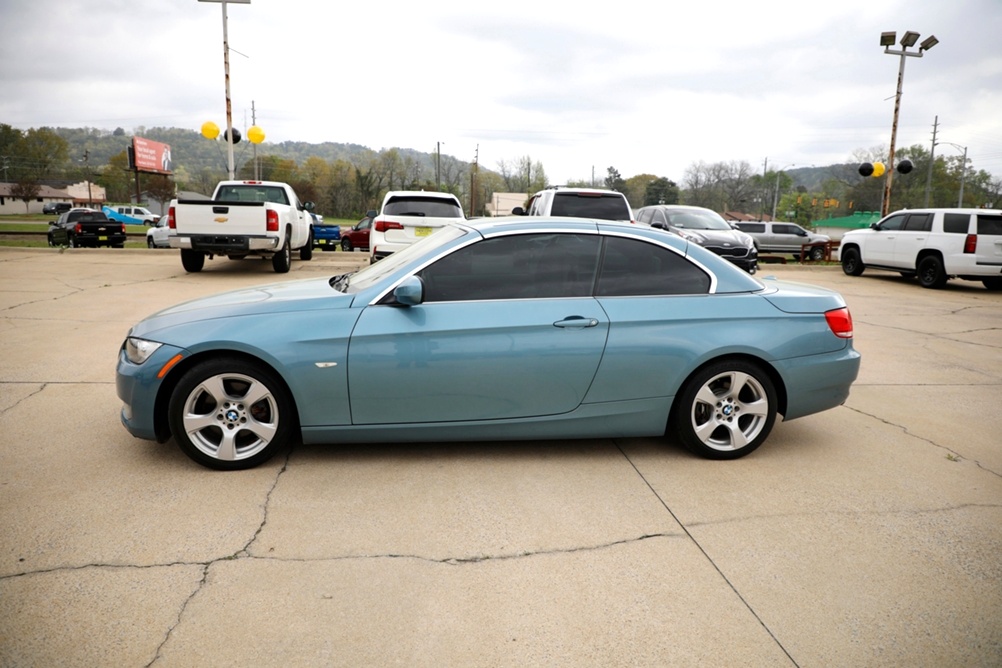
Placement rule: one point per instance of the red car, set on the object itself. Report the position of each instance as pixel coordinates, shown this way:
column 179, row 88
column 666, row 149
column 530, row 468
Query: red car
column 357, row 236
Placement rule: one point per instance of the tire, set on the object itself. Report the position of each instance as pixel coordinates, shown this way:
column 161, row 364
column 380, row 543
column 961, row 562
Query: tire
column 852, row 264
column 214, row 423
column 192, row 261
column 726, row 410
column 994, row 283
column 817, row 253
column 149, row 242
column 281, row 261
column 930, row 272
column 306, row 252
column 346, row 245
column 71, row 242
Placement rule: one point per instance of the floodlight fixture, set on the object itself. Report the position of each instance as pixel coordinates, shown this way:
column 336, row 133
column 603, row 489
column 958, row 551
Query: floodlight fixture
column 909, row 38
column 928, row 43
column 888, row 38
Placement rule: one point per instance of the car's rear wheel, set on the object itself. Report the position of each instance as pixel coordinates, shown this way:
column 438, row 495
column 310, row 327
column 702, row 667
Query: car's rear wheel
column 852, row 264
column 992, row 283
column 817, row 253
column 346, row 245
column 281, row 261
column 726, row 410
column 192, row 261
column 230, row 414
column 931, row 273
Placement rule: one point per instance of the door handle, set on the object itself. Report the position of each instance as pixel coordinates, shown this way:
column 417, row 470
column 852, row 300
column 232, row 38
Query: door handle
column 576, row 322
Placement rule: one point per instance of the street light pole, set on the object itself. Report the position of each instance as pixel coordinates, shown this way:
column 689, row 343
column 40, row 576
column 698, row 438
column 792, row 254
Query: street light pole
column 226, row 68
column 775, row 194
column 887, row 41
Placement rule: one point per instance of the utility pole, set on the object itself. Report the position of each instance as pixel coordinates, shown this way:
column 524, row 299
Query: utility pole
column 86, row 159
column 473, row 180
column 257, row 175
column 932, row 161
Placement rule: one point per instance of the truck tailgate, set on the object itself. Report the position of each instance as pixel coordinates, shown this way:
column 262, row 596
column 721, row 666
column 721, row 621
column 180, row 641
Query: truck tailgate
column 222, row 218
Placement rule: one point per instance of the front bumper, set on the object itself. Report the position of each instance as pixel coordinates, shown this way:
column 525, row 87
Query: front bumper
column 138, row 386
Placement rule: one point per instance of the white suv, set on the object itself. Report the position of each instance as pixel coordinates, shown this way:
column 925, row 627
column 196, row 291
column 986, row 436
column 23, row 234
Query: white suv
column 409, row 215
column 933, row 244
column 579, row 203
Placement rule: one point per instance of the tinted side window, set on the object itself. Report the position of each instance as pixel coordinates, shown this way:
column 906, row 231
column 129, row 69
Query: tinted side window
column 787, row 229
column 956, row 223
column 631, row 267
column 989, row 225
column 644, row 215
column 756, row 228
column 919, row 222
column 893, row 223
column 589, row 205
column 527, row 266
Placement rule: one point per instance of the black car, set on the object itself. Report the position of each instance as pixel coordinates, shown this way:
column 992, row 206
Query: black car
column 86, row 227
column 56, row 207
column 706, row 228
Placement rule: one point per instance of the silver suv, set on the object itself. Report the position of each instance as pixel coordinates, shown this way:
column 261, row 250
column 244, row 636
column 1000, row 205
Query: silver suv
column 933, row 244
column 788, row 238
column 579, row 203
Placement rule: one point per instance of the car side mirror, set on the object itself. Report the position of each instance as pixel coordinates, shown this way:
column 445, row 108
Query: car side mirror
column 309, row 206
column 659, row 225
column 410, row 292
column 518, row 211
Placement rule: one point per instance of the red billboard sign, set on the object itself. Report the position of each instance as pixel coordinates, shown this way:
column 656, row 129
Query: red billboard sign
column 151, row 156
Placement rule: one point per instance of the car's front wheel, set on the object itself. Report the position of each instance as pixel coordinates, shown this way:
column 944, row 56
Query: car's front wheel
column 726, row 410
column 817, row 253
column 931, row 273
column 281, row 261
column 852, row 264
column 231, row 414
column 149, row 242
column 306, row 252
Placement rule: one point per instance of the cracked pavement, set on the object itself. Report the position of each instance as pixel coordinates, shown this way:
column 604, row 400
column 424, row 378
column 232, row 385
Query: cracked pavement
column 866, row 535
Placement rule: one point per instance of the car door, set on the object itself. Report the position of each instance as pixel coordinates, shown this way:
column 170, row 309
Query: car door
column 879, row 246
column 507, row 329
column 912, row 238
column 788, row 238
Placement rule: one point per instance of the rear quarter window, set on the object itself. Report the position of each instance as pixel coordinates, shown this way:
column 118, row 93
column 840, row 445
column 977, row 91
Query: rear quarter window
column 636, row 268
column 956, row 223
column 989, row 225
column 754, row 228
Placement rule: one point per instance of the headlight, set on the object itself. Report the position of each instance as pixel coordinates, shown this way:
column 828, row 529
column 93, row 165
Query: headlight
column 139, row 350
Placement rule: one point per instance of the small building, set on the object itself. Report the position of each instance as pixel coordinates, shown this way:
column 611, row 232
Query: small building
column 77, row 194
column 501, row 204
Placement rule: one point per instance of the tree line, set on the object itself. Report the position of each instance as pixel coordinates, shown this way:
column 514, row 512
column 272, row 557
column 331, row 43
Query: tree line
column 345, row 180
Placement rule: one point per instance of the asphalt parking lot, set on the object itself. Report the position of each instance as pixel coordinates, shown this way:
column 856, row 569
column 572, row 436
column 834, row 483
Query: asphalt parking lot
column 866, row 535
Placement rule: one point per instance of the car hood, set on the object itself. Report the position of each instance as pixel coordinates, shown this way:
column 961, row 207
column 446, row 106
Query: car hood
column 792, row 297
column 305, row 295
column 717, row 237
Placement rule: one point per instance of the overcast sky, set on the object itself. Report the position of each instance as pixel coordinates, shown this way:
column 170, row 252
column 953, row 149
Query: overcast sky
column 646, row 87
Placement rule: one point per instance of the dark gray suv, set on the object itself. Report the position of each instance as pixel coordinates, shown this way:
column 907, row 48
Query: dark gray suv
column 706, row 228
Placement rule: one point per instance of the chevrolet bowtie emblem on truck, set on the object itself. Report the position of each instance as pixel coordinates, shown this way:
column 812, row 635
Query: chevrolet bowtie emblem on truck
column 221, row 219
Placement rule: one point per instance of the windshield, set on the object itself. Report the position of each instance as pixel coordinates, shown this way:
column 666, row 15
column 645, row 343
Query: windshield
column 379, row 270
column 697, row 220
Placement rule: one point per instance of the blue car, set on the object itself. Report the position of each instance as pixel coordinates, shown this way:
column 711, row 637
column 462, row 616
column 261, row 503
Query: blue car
column 493, row 329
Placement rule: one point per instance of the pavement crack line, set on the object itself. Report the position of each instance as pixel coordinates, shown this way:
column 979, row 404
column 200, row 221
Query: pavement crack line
column 707, row 556
column 952, row 454
column 180, row 615
column 41, row 388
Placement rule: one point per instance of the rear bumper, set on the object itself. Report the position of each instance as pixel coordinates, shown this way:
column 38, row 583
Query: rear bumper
column 224, row 244
column 821, row 381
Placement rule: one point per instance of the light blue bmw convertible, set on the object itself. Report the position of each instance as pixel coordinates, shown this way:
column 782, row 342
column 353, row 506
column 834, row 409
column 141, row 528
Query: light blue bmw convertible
column 498, row 329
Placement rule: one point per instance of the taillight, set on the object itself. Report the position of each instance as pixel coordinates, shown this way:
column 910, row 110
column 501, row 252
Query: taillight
column 272, row 220
column 123, row 228
column 971, row 244
column 383, row 225
column 840, row 322
column 78, row 228
column 171, row 221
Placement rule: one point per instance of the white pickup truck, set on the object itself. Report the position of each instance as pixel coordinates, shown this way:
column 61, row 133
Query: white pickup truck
column 263, row 218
